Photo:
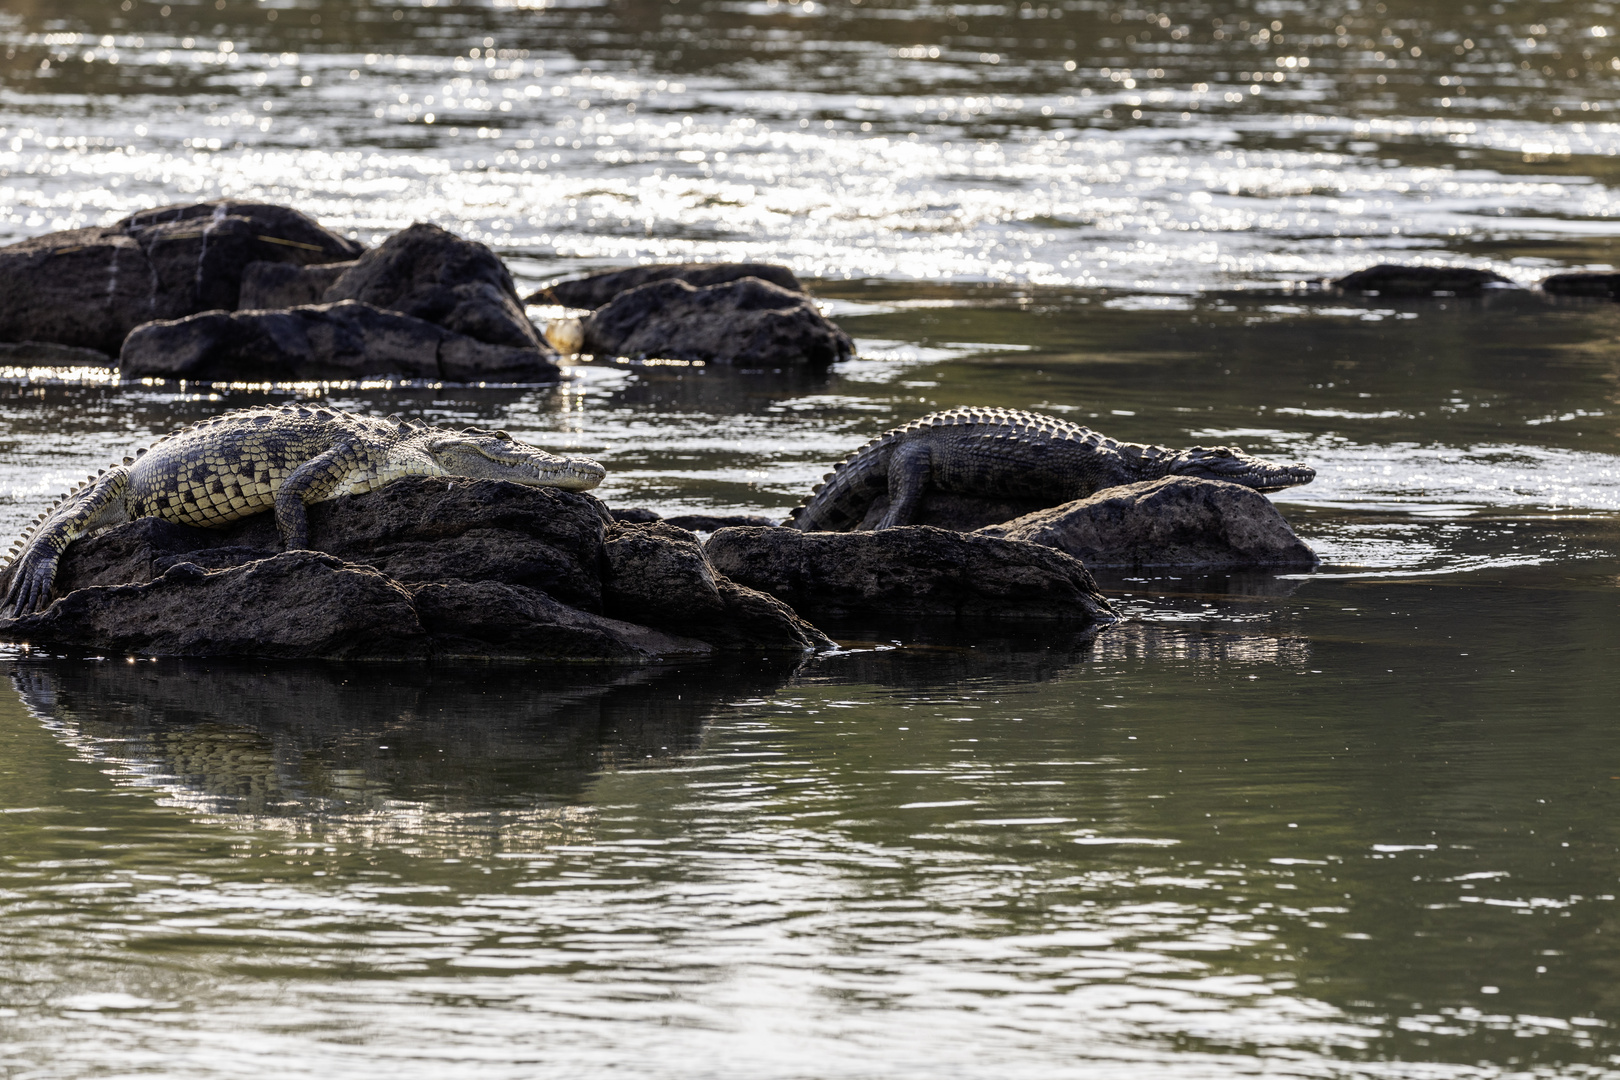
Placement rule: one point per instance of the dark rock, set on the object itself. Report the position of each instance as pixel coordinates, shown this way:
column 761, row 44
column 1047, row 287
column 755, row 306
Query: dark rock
column 1175, row 521
column 715, row 522
column 658, row 574
column 593, row 292
column 416, row 529
column 323, row 341
column 131, row 554
column 435, row 275
column 744, row 323
column 954, row 511
column 50, row 354
column 295, row 605
column 90, row 287
column 696, row 522
column 909, row 571
column 1387, row 279
column 441, row 529
column 1603, row 285
column 486, row 620
column 635, row 515
column 270, row 285
column 422, row 567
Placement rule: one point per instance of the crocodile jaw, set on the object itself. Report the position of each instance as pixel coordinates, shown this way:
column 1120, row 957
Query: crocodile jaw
column 500, row 457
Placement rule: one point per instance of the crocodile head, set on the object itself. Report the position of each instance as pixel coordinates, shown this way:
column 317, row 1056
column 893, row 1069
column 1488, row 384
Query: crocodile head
column 1236, row 467
column 495, row 455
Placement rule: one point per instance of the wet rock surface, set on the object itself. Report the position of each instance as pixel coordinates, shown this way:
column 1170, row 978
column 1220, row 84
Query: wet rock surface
column 1387, row 279
column 91, row 287
column 322, row 341
column 420, row 568
column 435, row 275
column 909, row 571
column 270, row 285
column 592, row 292
column 743, row 323
column 1175, row 521
column 951, row 510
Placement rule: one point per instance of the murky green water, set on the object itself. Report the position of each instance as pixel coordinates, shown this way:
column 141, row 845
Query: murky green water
column 1354, row 823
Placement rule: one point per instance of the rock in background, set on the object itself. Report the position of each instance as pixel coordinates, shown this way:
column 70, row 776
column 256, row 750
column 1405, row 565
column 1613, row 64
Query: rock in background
column 1178, row 521
column 592, row 292
column 743, row 323
column 344, row 340
column 91, row 287
column 435, row 275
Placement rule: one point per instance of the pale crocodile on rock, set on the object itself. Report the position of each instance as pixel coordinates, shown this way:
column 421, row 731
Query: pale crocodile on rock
column 1010, row 454
column 240, row 463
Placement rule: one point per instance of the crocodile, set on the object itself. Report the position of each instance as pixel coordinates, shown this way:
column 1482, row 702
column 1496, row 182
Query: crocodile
column 1010, row 454
column 282, row 458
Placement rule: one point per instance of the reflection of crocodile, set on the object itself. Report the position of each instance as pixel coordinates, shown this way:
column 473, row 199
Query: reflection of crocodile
column 1010, row 454
column 245, row 462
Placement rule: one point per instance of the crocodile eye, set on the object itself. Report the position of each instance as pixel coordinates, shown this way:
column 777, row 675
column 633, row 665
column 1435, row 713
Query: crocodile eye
column 503, row 436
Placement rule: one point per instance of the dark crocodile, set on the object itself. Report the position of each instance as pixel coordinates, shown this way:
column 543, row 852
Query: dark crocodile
column 1010, row 454
column 253, row 460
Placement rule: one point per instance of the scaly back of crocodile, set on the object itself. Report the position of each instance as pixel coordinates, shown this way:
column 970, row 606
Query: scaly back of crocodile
column 1007, row 451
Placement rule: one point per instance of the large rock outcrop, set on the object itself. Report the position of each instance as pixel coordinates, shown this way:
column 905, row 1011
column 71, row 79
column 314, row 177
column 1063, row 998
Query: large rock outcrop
column 592, row 292
column 342, row 340
column 743, row 323
column 91, row 287
column 1177, row 521
column 420, row 568
column 909, row 571
column 435, row 275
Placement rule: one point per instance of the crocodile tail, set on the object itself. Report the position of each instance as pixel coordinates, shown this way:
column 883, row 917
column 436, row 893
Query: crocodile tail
column 841, row 500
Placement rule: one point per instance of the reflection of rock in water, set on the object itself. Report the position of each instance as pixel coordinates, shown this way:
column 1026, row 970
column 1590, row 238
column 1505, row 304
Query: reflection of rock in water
column 1236, row 583
column 284, row 741
column 932, row 652
column 1160, row 644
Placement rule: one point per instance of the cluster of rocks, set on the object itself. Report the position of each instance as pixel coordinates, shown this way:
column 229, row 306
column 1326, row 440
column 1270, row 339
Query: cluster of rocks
column 1390, row 279
column 484, row 569
column 238, row 291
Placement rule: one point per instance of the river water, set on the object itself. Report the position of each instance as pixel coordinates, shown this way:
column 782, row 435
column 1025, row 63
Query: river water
column 1353, row 823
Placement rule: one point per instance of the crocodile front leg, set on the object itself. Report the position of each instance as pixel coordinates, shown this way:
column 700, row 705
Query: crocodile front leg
column 910, row 470
column 33, row 572
column 311, row 482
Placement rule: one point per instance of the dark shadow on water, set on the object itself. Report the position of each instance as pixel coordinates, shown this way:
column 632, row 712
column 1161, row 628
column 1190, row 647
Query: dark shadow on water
column 278, row 739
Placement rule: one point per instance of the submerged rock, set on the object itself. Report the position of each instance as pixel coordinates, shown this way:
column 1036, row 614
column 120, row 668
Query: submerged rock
column 1175, row 521
column 593, row 292
column 1602, row 285
column 420, row 568
column 1387, row 279
column 91, row 287
column 435, row 275
column 344, row 340
column 909, row 571
column 743, row 323
column 270, row 285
